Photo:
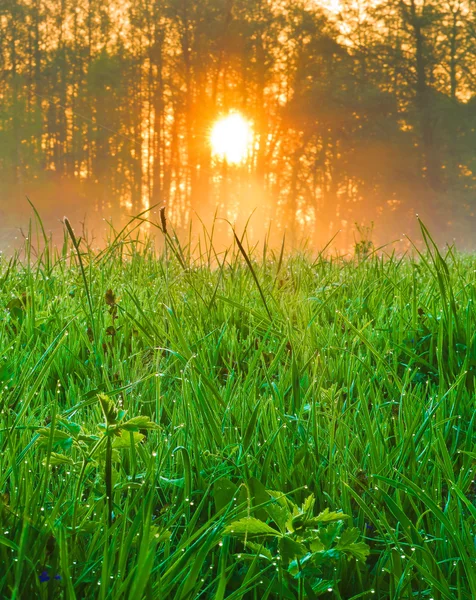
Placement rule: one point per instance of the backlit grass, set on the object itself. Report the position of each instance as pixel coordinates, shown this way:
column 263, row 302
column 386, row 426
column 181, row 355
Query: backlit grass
column 351, row 380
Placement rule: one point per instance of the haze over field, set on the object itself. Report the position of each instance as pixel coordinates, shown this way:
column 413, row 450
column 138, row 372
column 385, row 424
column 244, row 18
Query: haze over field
column 314, row 114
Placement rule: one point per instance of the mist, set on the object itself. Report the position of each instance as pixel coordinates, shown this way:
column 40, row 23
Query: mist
column 360, row 116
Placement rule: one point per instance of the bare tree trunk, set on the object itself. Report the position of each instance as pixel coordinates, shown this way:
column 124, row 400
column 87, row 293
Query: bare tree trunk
column 424, row 99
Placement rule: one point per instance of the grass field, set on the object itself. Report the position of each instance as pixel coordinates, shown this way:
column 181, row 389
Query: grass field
column 250, row 425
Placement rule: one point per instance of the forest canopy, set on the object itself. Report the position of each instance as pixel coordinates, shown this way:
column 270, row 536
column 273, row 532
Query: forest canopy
column 358, row 111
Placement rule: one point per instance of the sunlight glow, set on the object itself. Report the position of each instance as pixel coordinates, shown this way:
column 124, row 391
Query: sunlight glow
column 332, row 5
column 231, row 138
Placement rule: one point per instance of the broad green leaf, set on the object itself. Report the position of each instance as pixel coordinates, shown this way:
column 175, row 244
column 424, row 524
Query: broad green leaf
column 348, row 536
column 260, row 550
column 347, row 544
column 59, row 459
column 278, row 510
column 290, row 549
column 308, row 505
column 328, row 534
column 140, row 422
column 61, row 438
column 316, row 545
column 124, row 441
column 298, row 568
column 259, row 496
column 223, row 492
column 57, row 434
column 73, row 428
column 249, row 526
column 326, row 516
column 359, row 551
column 297, row 523
column 109, row 409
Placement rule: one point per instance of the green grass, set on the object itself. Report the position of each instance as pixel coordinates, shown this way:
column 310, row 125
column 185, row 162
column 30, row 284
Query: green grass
column 352, row 380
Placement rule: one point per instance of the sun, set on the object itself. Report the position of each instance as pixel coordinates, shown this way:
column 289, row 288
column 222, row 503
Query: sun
column 231, row 138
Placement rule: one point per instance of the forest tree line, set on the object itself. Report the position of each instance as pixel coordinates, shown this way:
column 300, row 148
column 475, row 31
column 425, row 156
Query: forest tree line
column 367, row 113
